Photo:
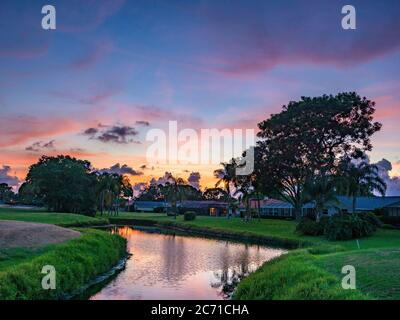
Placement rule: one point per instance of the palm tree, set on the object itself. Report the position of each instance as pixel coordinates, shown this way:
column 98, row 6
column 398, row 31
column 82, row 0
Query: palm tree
column 174, row 190
column 322, row 191
column 227, row 175
column 228, row 178
column 360, row 179
column 216, row 194
column 103, row 186
column 245, row 190
column 110, row 188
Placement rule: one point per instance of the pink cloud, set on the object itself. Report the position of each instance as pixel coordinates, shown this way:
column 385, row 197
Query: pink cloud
column 387, row 108
column 246, row 39
column 157, row 114
column 15, row 130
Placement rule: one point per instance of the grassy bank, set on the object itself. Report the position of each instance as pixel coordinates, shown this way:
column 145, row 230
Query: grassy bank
column 294, row 276
column 76, row 262
column 270, row 228
column 312, row 273
column 302, row 275
column 14, row 256
column 60, row 219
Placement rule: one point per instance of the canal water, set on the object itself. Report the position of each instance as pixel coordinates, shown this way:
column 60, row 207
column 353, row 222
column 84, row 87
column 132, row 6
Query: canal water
column 170, row 266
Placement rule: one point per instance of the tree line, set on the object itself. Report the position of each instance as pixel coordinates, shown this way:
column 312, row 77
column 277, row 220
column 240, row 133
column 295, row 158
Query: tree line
column 67, row 184
column 313, row 150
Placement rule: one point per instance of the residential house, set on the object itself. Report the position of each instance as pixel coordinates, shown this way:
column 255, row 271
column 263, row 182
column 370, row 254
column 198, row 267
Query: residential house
column 390, row 206
column 204, row 207
column 150, row 206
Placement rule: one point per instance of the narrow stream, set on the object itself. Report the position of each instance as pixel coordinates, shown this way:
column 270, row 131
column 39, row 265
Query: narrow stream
column 169, row 266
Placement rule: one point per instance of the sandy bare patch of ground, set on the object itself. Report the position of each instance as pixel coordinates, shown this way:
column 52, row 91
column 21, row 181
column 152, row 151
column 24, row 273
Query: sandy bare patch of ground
column 15, row 234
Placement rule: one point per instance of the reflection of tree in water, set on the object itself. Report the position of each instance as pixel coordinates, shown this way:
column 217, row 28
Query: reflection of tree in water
column 229, row 277
column 174, row 257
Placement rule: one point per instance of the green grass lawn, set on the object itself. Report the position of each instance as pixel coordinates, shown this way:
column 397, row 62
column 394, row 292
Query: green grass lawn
column 377, row 270
column 60, row 219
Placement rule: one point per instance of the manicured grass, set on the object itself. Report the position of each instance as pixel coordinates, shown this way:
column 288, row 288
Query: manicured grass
column 377, row 270
column 60, row 219
column 76, row 262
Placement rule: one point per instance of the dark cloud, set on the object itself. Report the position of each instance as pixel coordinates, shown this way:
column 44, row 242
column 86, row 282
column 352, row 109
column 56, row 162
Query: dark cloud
column 91, row 131
column 167, row 177
column 124, row 169
column 41, row 146
column 393, row 183
column 143, row 123
column 194, row 179
column 115, row 134
column 145, row 167
column 6, row 177
column 118, row 134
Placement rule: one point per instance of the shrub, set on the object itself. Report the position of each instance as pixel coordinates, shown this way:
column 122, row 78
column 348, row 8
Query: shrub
column 338, row 228
column 310, row 227
column 348, row 226
column 341, row 227
column 189, row 215
column 371, row 218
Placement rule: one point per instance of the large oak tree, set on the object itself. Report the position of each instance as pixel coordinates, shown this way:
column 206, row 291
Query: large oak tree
column 64, row 184
column 308, row 138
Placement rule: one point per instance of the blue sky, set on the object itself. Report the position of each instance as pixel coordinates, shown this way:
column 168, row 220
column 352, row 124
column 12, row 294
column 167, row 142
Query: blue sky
column 214, row 63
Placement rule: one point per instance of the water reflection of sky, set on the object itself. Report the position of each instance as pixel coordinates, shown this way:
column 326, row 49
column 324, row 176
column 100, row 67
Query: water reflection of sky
column 165, row 266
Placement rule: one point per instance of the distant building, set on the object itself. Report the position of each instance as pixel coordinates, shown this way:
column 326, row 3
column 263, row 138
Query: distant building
column 206, row 207
column 209, row 208
column 150, row 206
column 278, row 208
column 390, row 206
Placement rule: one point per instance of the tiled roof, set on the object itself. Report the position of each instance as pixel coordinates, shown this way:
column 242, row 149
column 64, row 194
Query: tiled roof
column 274, row 203
column 202, row 204
column 150, row 204
column 394, row 205
column 362, row 203
column 367, row 203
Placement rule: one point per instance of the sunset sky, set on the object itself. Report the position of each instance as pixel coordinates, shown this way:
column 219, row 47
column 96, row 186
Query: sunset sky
column 112, row 70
